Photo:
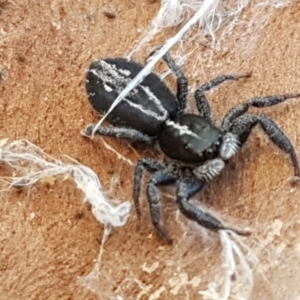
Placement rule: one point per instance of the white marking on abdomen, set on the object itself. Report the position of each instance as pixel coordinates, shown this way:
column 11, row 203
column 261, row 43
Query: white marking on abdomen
column 148, row 112
column 110, row 75
column 107, row 88
column 125, row 72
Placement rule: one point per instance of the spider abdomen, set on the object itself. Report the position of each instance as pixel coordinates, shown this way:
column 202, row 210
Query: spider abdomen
column 145, row 108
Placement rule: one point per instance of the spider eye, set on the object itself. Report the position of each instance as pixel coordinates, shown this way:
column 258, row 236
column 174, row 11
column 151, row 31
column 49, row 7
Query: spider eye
column 209, row 153
column 217, row 143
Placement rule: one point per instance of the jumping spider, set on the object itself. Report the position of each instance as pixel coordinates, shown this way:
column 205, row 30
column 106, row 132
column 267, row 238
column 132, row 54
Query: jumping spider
column 197, row 147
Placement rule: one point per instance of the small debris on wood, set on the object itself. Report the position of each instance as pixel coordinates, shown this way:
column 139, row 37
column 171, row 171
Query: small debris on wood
column 21, row 57
column 110, row 13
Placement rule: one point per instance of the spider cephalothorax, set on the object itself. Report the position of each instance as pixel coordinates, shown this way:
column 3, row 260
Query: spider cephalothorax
column 197, row 147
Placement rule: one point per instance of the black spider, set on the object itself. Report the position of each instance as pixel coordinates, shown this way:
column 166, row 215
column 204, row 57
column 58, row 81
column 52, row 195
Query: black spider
column 197, row 147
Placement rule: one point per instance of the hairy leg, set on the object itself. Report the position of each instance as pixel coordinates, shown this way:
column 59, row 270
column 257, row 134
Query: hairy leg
column 185, row 190
column 119, row 132
column 201, row 101
column 150, row 165
column 182, row 84
column 162, row 177
column 267, row 101
column 243, row 125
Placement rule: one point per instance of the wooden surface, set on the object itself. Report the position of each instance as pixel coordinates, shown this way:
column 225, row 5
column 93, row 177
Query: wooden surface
column 49, row 238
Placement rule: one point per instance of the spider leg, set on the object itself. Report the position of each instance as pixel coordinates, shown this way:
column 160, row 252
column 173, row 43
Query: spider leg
column 185, row 190
column 182, row 84
column 151, row 165
column 162, row 177
column 119, row 132
column 201, row 101
column 267, row 101
column 243, row 125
